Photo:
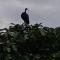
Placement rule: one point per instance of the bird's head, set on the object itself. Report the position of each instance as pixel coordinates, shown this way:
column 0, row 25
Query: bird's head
column 26, row 8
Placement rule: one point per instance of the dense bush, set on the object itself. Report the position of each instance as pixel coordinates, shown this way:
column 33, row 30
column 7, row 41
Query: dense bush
column 33, row 42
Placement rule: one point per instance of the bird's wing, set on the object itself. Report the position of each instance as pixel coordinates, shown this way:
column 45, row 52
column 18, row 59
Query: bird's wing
column 25, row 17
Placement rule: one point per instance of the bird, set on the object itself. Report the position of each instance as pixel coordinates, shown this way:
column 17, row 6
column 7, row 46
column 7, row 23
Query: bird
column 25, row 17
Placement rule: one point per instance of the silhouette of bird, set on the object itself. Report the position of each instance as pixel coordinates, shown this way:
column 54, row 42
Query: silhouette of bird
column 25, row 16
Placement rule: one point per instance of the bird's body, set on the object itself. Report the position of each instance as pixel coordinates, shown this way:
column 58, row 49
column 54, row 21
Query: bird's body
column 25, row 17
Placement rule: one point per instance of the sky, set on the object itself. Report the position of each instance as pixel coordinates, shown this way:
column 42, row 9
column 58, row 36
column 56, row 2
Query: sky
column 46, row 12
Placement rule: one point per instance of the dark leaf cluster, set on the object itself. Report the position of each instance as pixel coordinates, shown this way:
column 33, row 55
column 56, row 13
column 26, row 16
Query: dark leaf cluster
column 32, row 42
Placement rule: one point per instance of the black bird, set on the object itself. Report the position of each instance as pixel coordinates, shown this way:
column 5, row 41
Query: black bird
column 25, row 16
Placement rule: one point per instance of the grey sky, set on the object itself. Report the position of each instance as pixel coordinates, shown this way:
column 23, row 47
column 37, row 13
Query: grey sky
column 45, row 11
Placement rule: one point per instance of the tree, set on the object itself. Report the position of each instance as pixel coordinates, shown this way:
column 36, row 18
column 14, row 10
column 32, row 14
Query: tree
column 31, row 42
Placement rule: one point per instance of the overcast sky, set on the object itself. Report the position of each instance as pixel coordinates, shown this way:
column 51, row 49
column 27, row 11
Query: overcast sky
column 40, row 11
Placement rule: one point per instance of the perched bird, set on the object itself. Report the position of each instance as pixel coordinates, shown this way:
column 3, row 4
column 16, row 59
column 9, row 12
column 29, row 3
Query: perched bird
column 25, row 16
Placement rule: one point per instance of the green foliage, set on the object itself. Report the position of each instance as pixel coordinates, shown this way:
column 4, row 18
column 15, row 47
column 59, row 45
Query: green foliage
column 32, row 42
